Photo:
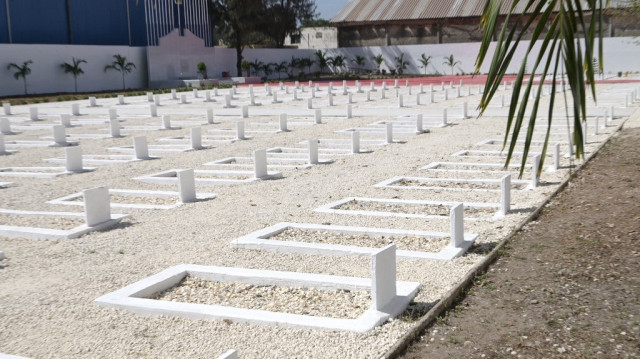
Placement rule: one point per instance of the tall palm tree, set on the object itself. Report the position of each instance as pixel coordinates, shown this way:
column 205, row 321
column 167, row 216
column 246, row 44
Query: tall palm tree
column 569, row 35
column 425, row 61
column 256, row 66
column 451, row 62
column 120, row 64
column 21, row 71
column 323, row 61
column 281, row 67
column 378, row 60
column 337, row 62
column 74, row 69
column 266, row 69
column 359, row 62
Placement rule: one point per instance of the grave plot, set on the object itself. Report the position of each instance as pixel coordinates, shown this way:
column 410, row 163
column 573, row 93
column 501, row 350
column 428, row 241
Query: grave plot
column 34, row 172
column 335, row 146
column 6, row 184
column 471, row 167
column 98, row 160
column 61, row 225
column 450, row 184
column 135, row 199
column 388, row 207
column 271, row 298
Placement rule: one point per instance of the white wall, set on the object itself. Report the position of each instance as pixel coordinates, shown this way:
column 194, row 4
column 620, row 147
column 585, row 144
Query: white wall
column 48, row 77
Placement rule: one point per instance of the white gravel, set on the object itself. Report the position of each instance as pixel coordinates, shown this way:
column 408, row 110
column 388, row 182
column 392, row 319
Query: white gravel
column 48, row 287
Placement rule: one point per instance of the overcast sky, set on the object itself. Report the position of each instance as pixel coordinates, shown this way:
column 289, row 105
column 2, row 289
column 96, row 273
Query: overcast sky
column 328, row 8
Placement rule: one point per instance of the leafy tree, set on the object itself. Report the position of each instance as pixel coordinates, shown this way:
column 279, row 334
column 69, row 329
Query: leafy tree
column 323, row 60
column 237, row 22
column 451, row 62
column 378, row 60
column 74, row 69
column 246, row 66
column 292, row 65
column 425, row 61
column 337, row 62
column 308, row 63
column 266, row 69
column 121, row 65
column 401, row 64
column 316, row 23
column 281, row 67
column 359, row 62
column 256, row 66
column 569, row 33
column 202, row 70
column 21, row 71
column 283, row 17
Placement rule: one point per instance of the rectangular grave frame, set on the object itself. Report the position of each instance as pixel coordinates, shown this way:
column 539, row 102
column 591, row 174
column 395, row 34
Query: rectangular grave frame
column 70, row 199
column 259, row 240
column 132, row 297
column 59, row 171
column 98, row 160
column 247, row 162
column 389, row 183
column 331, row 208
column 39, row 233
column 482, row 167
column 169, row 177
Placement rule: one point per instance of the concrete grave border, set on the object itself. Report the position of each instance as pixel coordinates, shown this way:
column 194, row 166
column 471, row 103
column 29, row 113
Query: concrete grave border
column 389, row 183
column 69, row 200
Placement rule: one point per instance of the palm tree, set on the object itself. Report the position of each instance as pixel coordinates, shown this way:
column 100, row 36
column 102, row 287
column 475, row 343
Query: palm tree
column 281, row 67
column 266, row 69
column 378, row 59
column 120, row 64
column 21, row 71
column 308, row 63
column 401, row 64
column 425, row 61
column 74, row 69
column 323, row 61
column 451, row 62
column 292, row 65
column 359, row 61
column 337, row 62
column 566, row 32
column 256, row 66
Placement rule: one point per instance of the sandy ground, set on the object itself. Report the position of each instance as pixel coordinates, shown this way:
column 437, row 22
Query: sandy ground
column 48, row 287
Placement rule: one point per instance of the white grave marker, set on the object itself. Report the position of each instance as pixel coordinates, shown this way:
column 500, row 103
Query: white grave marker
column 153, row 110
column 149, row 96
column 309, row 103
column 113, row 114
column 456, row 213
column 174, row 95
column 383, row 277
column 60, row 135
column 97, row 206
column 140, row 147
column 389, row 132
column 183, row 99
column 240, row 130
column 210, row 116
column 355, row 142
column 260, row 164
column 349, row 111
column 5, row 126
column 121, row 99
column 444, row 117
column 6, row 106
column 419, row 127
column 73, row 159
column 65, row 120
column 33, row 113
column 166, row 122
column 196, row 138
column 75, row 109
column 400, row 102
column 245, row 111
column 505, row 197
column 313, row 152
column 186, row 186
column 534, row 171
column 318, row 116
column 156, row 100
column 283, row 122
column 114, row 128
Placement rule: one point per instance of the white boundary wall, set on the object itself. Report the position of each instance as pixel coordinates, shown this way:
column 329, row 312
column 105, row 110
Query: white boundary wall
column 48, row 77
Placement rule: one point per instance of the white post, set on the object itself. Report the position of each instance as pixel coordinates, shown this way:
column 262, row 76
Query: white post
column 260, row 163
column 556, row 157
column 59, row 135
column 372, row 86
column 283, row 122
column 113, row 114
column 456, row 213
column 150, row 96
column 140, row 148
column 355, row 142
column 384, row 85
column 431, row 87
column 418, row 99
column 156, row 100
column 195, row 93
column 310, row 103
column 210, row 116
column 358, row 87
column 6, row 106
column 33, row 113
column 349, row 112
column 73, row 159
column 114, row 128
column 75, row 109
column 595, row 127
column 183, row 99
column 505, row 191
column 421, row 88
column 395, row 85
column 186, row 185
column 3, row 148
column 174, row 95
column 444, row 117
column 65, row 120
column 153, row 109
column 97, row 206
column 318, row 116
column 410, row 90
column 446, row 94
column 330, row 100
column 275, row 97
column 468, row 91
column 121, row 99
column 389, row 132
column 281, row 85
column 611, row 115
column 313, row 92
column 196, row 138
column 400, row 102
column 313, row 152
column 297, row 84
column 349, row 98
column 368, row 95
column 431, row 97
column 240, row 130
column 227, row 101
column 502, row 101
column 252, row 99
column 383, row 94
column 458, row 92
column 465, row 113
column 419, row 127
column 534, row 171
column 245, row 111
column 460, row 83
column 5, row 126
column 383, row 277
column 166, row 122
column 442, row 86
column 207, row 96
column 215, row 92
column 584, row 132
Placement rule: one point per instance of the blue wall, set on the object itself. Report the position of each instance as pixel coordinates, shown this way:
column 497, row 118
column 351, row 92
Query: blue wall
column 93, row 22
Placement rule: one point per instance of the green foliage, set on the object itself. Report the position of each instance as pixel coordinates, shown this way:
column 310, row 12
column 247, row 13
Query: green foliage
column 256, row 67
column 283, row 17
column 316, row 23
column 451, row 62
column 121, row 65
column 74, row 69
column 425, row 61
column 359, row 62
column 401, row 64
column 569, row 34
column 21, row 71
column 281, row 67
column 323, row 60
column 378, row 60
column 202, row 70
column 337, row 62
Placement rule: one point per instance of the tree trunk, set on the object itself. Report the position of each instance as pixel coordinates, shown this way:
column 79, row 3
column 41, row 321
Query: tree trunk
column 123, row 87
column 24, row 79
column 75, row 83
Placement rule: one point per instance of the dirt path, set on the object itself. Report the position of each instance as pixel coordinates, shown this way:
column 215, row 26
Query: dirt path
column 568, row 285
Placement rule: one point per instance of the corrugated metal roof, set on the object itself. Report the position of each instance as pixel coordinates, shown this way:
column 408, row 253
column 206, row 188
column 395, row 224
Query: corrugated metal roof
column 393, row 10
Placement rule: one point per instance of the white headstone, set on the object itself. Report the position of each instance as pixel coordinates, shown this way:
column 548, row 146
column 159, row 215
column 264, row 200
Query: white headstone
column 395, row 85
column 355, row 142
column 444, row 117
column 313, row 92
column 140, row 147
column 59, row 135
column 421, row 88
column 383, row 94
column 260, row 163
column 97, row 206
column 275, row 97
column 252, row 98
column 372, row 86
column 150, row 96
column 534, row 171
column 210, row 116
column 368, row 95
column 240, row 130
column 419, row 127
column 121, row 99
column 283, row 122
column 113, row 114
column 114, row 128
column 153, row 110
column 227, row 101
column 431, row 87
column 446, row 94
column 389, row 132
column 310, row 103
column 456, row 213
column 595, row 127
column 383, row 277
column 183, row 99
column 465, row 112
column 7, row 108
column 65, row 120
column 349, row 111
column 5, row 126
column 207, row 96
column 556, row 157
column 431, row 97
column 174, row 95
column 215, row 92
column 186, row 185
column 245, row 111
column 349, row 98
column 33, row 113
column 318, row 116
column 156, row 100
column 313, row 152
column 166, row 122
column 3, row 147
column 195, row 93
column 505, row 194
column 196, row 137
column 93, row 102
column 295, row 94
column 400, row 102
column 330, row 100
column 418, row 99
column 73, row 159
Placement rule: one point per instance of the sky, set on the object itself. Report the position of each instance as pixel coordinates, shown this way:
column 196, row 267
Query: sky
column 328, row 8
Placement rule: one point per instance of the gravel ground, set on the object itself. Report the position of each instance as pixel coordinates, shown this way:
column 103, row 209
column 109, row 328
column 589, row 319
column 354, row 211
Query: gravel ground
column 431, row 210
column 64, row 223
column 48, row 287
